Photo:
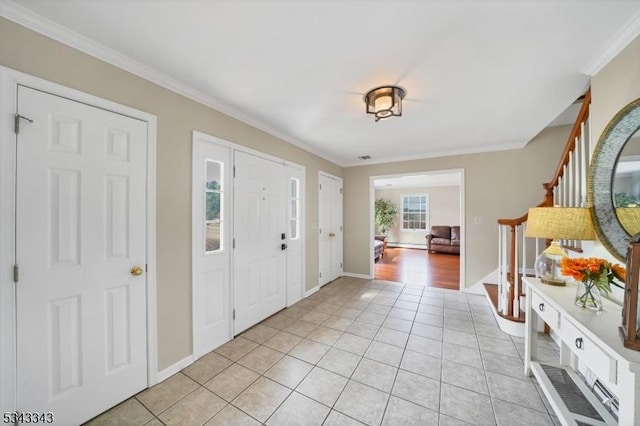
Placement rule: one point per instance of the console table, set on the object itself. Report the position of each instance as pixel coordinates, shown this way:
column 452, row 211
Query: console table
column 593, row 339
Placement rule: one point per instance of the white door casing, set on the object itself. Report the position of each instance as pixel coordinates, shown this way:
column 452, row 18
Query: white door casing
column 81, row 227
column 295, row 233
column 336, row 226
column 329, row 228
column 212, row 323
column 259, row 232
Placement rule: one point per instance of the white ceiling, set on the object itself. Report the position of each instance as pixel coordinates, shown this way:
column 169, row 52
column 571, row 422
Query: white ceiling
column 480, row 75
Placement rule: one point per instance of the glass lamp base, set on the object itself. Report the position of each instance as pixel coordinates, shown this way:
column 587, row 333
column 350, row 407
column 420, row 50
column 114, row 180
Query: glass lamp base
column 547, row 266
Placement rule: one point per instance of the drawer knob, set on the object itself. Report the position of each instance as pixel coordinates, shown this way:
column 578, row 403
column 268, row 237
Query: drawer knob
column 541, row 307
column 579, row 343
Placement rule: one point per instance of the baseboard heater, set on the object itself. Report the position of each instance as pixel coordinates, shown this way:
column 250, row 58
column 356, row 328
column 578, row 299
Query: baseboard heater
column 572, row 400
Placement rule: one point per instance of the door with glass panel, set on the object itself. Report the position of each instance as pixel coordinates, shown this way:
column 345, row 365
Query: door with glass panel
column 212, row 175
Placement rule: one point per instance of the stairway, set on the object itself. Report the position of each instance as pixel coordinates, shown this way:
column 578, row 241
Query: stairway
column 516, row 254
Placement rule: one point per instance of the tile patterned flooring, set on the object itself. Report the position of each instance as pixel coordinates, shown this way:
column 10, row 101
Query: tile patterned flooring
column 356, row 352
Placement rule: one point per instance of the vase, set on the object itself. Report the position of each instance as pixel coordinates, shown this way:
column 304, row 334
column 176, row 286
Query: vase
column 588, row 295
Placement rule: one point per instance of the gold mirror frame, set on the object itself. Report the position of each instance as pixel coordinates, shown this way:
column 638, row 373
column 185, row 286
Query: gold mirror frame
column 601, row 173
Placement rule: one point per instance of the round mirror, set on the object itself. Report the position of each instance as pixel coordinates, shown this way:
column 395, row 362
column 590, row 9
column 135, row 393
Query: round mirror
column 614, row 185
column 626, row 185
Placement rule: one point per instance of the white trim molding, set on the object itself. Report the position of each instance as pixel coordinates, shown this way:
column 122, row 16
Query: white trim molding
column 175, row 368
column 310, row 292
column 621, row 40
column 352, row 275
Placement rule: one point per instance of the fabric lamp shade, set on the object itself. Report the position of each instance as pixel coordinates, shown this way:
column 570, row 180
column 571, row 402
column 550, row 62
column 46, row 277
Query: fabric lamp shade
column 561, row 223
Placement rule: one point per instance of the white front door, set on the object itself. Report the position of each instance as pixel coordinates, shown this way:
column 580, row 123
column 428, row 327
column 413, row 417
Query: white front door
column 260, row 195
column 330, row 229
column 211, row 245
column 81, row 228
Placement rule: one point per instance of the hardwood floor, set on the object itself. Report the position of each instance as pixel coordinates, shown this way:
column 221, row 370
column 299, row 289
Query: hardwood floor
column 413, row 266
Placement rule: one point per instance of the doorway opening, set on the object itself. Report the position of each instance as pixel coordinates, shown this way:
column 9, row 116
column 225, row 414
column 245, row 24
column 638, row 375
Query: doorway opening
column 421, row 200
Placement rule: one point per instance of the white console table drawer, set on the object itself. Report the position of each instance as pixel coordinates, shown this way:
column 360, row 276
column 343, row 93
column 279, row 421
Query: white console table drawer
column 545, row 310
column 593, row 357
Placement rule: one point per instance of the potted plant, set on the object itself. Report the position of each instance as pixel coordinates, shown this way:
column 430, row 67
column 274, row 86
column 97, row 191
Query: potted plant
column 385, row 212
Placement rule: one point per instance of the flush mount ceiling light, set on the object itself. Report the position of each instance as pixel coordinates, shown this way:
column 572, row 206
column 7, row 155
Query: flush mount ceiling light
column 385, row 101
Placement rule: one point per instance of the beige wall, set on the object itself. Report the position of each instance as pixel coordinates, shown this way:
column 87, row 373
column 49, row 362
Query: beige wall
column 617, row 84
column 444, row 209
column 29, row 52
column 496, row 185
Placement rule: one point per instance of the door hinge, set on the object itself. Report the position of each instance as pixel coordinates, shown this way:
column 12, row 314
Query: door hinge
column 234, row 243
column 341, row 190
column 320, row 274
column 234, row 313
column 16, row 122
column 146, row 267
column 320, row 229
column 341, row 227
column 340, row 265
column 234, row 171
column 15, row 273
column 320, row 186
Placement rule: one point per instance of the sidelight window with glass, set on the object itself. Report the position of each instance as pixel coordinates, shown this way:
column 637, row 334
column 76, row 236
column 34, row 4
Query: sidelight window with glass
column 213, row 215
column 294, row 209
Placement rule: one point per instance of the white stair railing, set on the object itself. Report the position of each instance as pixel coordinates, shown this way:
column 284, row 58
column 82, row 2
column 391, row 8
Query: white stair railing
column 568, row 188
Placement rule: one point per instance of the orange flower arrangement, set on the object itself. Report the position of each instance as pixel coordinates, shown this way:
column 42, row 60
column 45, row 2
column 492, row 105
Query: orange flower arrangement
column 597, row 271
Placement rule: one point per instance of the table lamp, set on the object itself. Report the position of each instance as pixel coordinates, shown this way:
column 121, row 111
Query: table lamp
column 557, row 223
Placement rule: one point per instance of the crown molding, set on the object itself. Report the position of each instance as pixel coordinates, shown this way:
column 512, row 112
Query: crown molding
column 621, row 40
column 57, row 32
column 440, row 154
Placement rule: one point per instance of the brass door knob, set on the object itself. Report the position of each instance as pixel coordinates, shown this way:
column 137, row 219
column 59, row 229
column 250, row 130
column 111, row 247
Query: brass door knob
column 137, row 270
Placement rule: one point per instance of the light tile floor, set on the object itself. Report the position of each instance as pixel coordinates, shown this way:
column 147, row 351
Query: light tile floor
column 355, row 352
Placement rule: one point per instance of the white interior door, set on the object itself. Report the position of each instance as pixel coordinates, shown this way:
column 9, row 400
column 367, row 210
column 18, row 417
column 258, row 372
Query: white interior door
column 81, row 227
column 211, row 204
column 324, row 225
column 260, row 196
column 330, row 229
column 295, row 235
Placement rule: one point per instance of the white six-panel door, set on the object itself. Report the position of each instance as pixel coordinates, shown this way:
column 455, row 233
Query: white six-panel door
column 260, row 230
column 212, row 245
column 81, row 228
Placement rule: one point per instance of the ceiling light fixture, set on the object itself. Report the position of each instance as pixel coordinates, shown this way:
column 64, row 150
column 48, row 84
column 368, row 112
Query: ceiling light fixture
column 385, row 101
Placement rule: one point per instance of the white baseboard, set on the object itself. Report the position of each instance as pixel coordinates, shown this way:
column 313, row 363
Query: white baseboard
column 310, row 292
column 407, row 245
column 478, row 288
column 175, row 368
column 352, row 275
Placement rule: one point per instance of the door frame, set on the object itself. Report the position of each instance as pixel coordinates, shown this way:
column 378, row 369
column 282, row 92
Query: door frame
column 198, row 137
column 463, row 230
column 9, row 82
